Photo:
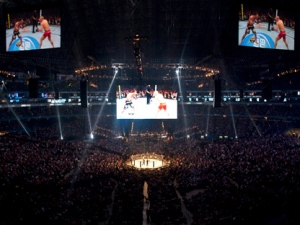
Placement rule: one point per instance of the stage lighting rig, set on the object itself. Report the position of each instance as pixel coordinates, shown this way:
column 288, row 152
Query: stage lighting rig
column 136, row 38
column 137, row 51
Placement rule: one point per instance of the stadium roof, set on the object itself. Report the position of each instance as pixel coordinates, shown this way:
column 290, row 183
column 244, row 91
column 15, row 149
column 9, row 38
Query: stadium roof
column 100, row 32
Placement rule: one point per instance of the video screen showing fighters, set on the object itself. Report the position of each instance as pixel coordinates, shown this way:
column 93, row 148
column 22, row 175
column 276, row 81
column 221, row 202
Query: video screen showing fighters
column 147, row 102
column 266, row 27
column 33, row 29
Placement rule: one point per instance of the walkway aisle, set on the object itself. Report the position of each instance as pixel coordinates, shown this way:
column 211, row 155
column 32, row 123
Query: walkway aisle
column 146, row 204
column 110, row 207
column 185, row 212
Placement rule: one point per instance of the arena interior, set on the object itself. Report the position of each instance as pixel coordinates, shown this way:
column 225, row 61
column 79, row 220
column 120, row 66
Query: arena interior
column 139, row 112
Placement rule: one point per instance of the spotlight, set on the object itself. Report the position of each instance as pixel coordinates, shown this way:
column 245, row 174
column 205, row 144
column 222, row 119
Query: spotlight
column 61, row 138
column 92, row 136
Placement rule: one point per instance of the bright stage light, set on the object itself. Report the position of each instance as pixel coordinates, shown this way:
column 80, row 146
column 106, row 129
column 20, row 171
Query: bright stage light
column 20, row 122
column 102, row 107
column 180, row 91
column 116, row 70
column 59, row 123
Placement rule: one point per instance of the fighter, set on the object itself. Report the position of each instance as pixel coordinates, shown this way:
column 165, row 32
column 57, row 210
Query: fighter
column 47, row 32
column 148, row 94
column 16, row 32
column 250, row 26
column 162, row 102
column 282, row 34
column 128, row 101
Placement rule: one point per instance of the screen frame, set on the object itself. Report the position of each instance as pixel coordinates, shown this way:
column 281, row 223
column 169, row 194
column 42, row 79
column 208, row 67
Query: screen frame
column 28, row 9
column 263, row 35
column 159, row 105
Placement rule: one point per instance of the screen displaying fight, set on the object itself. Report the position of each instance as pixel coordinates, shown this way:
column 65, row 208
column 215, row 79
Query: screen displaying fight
column 148, row 102
column 33, row 30
column 269, row 28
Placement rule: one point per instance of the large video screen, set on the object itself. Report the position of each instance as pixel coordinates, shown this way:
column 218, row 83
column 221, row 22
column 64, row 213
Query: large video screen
column 148, row 102
column 33, row 29
column 263, row 27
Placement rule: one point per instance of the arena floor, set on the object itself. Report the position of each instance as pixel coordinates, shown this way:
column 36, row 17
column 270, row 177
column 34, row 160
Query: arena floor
column 147, row 164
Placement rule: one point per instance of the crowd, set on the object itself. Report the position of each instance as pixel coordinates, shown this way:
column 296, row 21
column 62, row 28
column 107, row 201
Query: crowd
column 249, row 179
column 242, row 182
